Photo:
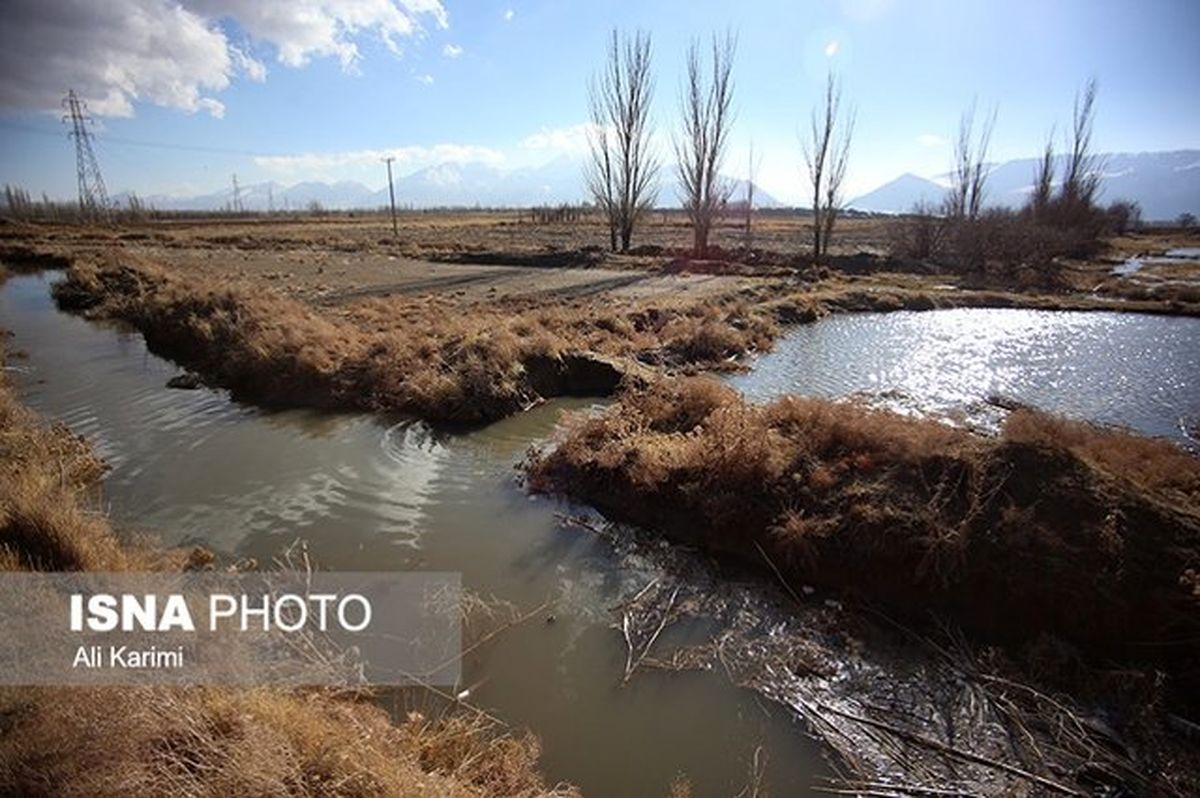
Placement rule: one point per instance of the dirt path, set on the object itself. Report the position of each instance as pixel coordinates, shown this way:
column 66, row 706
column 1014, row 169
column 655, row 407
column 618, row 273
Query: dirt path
column 325, row 277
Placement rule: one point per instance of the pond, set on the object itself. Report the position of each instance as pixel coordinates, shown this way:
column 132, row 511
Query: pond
column 1135, row 370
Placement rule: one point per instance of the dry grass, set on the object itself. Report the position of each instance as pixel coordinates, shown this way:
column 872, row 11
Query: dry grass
column 422, row 355
column 45, row 472
column 1054, row 527
column 221, row 742
column 201, row 741
column 1154, row 465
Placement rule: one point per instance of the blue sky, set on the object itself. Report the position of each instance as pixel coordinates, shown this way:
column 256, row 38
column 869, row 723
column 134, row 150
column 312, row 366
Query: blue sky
column 320, row 89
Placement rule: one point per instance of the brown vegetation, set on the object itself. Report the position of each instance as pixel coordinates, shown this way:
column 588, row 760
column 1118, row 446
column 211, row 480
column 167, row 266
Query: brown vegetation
column 420, row 355
column 200, row 741
column 221, row 742
column 1054, row 527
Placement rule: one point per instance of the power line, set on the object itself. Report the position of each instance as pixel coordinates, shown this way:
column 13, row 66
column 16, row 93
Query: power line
column 93, row 196
column 128, row 142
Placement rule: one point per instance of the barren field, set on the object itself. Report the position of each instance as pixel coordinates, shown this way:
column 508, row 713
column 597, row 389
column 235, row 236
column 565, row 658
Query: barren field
column 487, row 256
column 473, row 316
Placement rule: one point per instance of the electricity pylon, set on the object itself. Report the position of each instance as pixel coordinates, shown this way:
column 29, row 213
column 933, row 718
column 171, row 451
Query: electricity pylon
column 93, row 197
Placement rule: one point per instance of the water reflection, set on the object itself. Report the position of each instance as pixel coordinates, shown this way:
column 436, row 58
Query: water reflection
column 1135, row 370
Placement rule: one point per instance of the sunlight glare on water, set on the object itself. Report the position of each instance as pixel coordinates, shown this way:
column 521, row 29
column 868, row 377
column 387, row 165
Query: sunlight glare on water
column 1135, row 370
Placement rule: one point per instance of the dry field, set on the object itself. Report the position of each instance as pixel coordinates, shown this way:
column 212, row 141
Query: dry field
column 468, row 317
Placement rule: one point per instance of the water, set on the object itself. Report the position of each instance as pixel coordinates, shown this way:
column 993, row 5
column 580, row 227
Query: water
column 1135, row 370
column 374, row 494
column 1179, row 255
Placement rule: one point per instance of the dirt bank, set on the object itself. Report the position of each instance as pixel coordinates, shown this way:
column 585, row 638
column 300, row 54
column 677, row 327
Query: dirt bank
column 1053, row 534
column 200, row 741
column 424, row 355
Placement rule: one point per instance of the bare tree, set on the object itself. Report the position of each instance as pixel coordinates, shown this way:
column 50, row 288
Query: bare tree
column 1043, row 181
column 700, row 146
column 1081, row 177
column 622, row 176
column 970, row 161
column 826, row 154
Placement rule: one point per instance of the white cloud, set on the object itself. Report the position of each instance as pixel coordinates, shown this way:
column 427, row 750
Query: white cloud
column 176, row 54
column 572, row 139
column 253, row 68
column 334, row 164
column 832, row 47
column 452, row 51
column 112, row 54
column 302, row 29
column 426, row 78
column 931, row 140
column 509, row 14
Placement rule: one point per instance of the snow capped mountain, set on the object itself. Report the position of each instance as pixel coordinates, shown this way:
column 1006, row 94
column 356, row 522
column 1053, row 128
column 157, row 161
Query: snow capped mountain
column 444, row 185
column 1165, row 184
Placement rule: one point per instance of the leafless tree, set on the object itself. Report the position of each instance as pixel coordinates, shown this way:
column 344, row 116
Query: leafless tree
column 970, row 161
column 700, row 146
column 1043, row 180
column 622, row 176
column 1081, row 176
column 826, row 154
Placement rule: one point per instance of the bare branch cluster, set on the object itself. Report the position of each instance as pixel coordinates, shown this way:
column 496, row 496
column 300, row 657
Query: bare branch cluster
column 970, row 166
column 622, row 175
column 826, row 154
column 707, row 108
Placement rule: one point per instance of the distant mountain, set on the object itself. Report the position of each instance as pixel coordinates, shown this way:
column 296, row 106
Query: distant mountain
column 557, row 182
column 1164, row 184
column 265, row 196
column 469, row 184
column 900, row 195
column 445, row 185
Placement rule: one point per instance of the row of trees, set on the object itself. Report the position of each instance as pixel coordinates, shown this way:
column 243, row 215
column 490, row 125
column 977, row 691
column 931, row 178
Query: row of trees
column 1060, row 218
column 624, row 168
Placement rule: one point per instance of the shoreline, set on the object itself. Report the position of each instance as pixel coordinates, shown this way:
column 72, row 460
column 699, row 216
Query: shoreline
column 122, row 741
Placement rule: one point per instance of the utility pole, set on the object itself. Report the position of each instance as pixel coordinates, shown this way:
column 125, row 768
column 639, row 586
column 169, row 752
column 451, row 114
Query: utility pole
column 93, row 197
column 392, row 195
column 752, row 169
column 270, row 200
column 237, row 195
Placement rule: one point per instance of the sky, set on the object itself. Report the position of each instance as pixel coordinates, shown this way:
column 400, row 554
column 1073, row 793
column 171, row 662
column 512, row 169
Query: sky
column 185, row 94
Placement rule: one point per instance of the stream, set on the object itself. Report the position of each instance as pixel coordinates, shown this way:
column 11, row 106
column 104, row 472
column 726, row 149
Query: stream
column 192, row 467
column 374, row 494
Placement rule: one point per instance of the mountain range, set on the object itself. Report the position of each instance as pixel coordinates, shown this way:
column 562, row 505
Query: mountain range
column 1164, row 184
column 444, row 185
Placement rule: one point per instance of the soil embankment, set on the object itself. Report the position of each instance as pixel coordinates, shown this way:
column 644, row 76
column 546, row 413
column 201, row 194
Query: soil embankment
column 1054, row 527
column 1053, row 537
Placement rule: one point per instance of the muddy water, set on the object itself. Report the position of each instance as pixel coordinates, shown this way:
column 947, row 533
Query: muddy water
column 372, row 494
column 1139, row 371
